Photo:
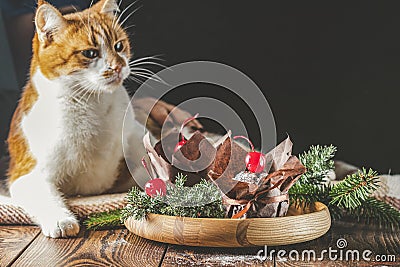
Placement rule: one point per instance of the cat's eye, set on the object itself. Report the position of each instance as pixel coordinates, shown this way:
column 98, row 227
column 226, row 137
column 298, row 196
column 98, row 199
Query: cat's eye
column 119, row 46
column 90, row 53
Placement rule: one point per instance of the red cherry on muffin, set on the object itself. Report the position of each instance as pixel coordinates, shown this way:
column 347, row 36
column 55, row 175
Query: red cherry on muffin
column 255, row 161
column 183, row 141
column 155, row 186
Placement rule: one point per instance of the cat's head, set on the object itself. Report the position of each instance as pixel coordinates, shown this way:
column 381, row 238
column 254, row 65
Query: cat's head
column 87, row 48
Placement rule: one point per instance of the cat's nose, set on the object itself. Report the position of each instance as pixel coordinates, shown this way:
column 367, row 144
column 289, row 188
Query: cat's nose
column 117, row 68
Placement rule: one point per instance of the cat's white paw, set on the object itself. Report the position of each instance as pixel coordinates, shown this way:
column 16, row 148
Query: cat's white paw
column 65, row 227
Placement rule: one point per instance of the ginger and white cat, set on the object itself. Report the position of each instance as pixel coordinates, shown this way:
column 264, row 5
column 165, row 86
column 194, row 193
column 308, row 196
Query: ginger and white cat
column 66, row 134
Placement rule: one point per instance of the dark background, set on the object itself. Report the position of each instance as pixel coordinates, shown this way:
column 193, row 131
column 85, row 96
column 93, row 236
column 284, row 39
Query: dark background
column 330, row 70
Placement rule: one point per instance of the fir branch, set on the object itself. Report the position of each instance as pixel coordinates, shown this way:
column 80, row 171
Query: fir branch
column 308, row 193
column 354, row 189
column 318, row 162
column 376, row 211
column 198, row 195
column 179, row 181
column 350, row 198
column 201, row 200
column 140, row 204
column 103, row 220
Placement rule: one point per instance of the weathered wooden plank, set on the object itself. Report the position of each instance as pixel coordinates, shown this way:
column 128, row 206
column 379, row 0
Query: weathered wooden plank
column 206, row 256
column 95, row 248
column 379, row 242
column 13, row 241
column 346, row 242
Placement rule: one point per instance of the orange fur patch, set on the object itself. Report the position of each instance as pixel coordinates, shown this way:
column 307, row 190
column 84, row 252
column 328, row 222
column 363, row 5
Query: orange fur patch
column 22, row 161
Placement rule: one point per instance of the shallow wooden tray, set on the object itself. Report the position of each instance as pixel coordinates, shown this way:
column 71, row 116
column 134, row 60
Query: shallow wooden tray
column 298, row 226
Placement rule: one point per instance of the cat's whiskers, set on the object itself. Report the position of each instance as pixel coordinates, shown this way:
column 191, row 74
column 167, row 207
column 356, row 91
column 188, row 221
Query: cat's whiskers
column 138, row 68
column 132, row 78
column 84, row 95
column 116, row 23
column 91, row 92
column 77, row 88
column 156, row 57
column 116, row 14
column 92, row 89
column 117, row 18
column 129, row 26
column 142, row 64
column 151, row 60
column 80, row 92
column 83, row 89
column 143, row 70
column 148, row 77
column 138, row 64
column 147, row 74
column 130, row 14
column 76, row 93
column 88, row 17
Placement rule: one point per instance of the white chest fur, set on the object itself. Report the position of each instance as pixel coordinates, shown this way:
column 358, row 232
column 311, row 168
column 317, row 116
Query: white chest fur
column 78, row 145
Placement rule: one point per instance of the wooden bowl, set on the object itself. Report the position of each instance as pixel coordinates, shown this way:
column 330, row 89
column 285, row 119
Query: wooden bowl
column 297, row 226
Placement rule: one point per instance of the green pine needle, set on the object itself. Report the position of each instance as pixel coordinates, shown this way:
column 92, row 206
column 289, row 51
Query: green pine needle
column 354, row 189
column 378, row 212
column 308, row 194
column 104, row 220
column 318, row 162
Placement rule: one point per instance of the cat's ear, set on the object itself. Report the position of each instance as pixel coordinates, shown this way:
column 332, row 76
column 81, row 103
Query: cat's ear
column 48, row 21
column 109, row 7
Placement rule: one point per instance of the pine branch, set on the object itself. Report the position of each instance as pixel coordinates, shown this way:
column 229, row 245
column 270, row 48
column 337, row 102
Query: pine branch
column 354, row 189
column 318, row 162
column 201, row 200
column 140, row 204
column 349, row 198
column 376, row 211
column 104, row 220
column 308, row 193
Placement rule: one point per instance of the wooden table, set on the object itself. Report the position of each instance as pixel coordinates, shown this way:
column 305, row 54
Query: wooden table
column 26, row 246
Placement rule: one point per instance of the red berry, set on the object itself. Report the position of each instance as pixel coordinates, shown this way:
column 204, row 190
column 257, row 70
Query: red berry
column 255, row 161
column 155, row 187
column 183, row 140
column 179, row 145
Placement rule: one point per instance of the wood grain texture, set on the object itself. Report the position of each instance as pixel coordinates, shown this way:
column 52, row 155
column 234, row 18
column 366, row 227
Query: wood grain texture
column 302, row 226
column 205, row 256
column 13, row 241
column 93, row 248
column 382, row 242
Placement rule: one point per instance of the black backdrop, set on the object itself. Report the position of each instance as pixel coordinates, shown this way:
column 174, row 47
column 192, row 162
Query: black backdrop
column 330, row 70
